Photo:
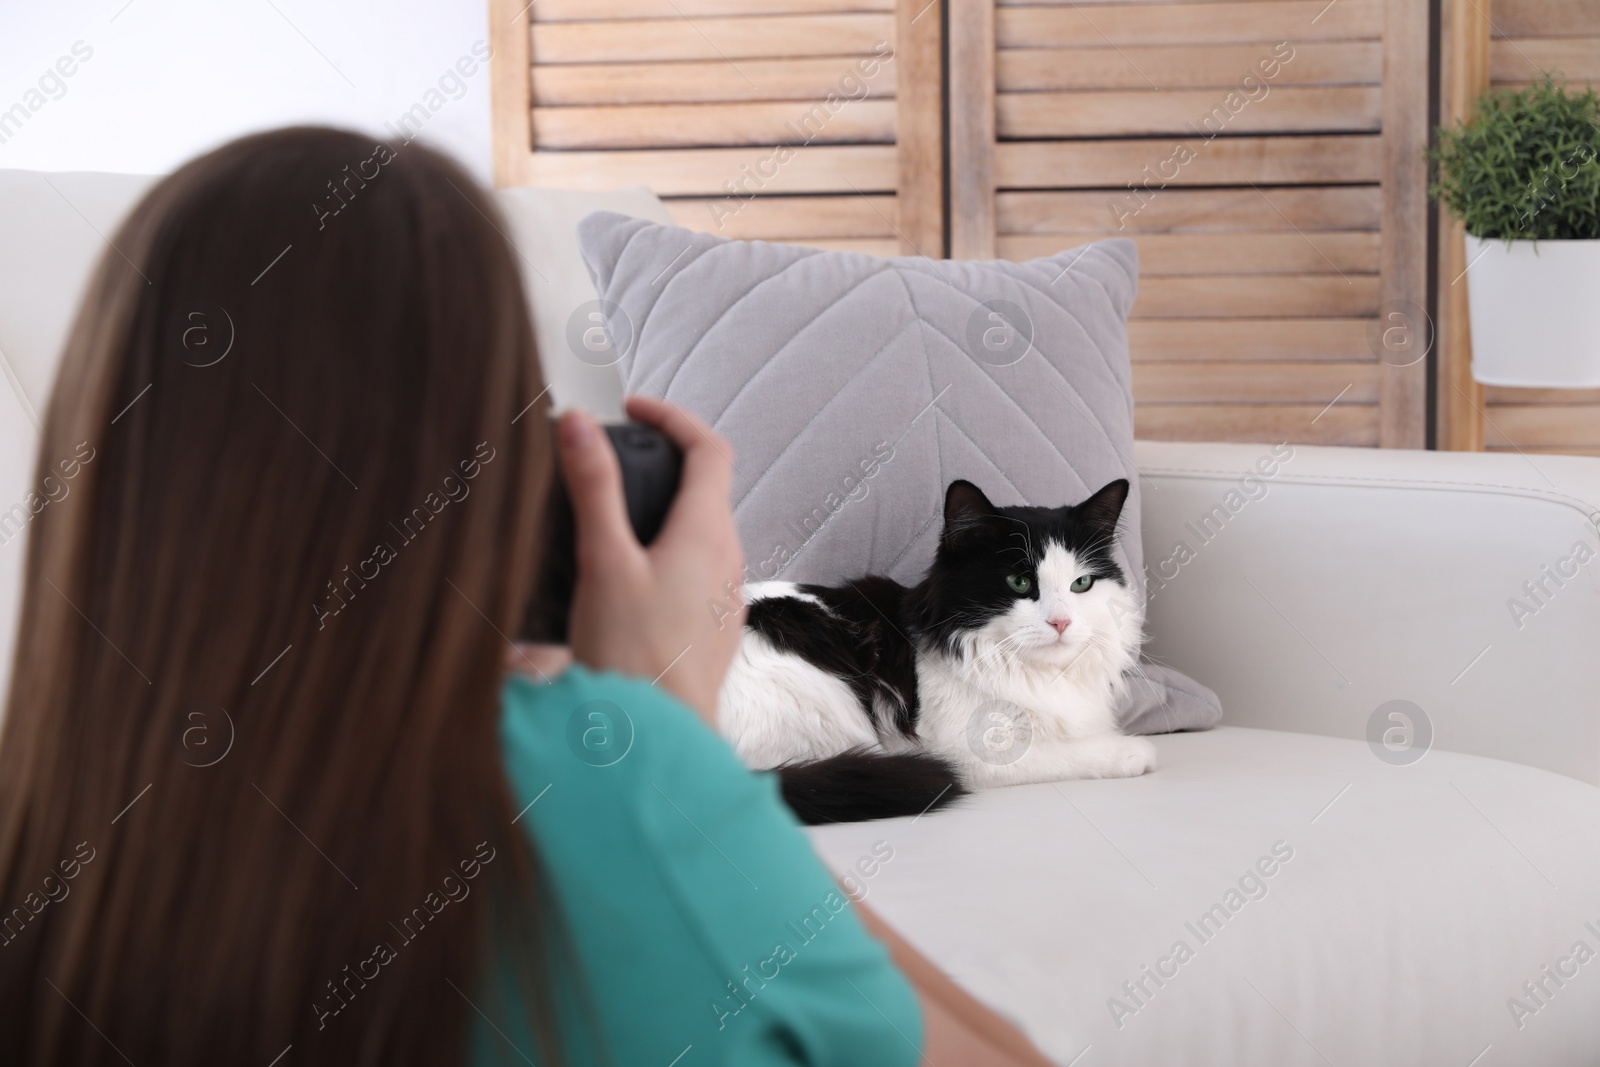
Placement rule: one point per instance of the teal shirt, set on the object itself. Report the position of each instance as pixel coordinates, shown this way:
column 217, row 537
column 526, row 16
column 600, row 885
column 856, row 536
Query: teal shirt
column 708, row 930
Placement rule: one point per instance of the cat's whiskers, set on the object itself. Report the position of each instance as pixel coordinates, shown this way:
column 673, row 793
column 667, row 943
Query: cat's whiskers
column 1000, row 650
column 973, row 660
column 1029, row 556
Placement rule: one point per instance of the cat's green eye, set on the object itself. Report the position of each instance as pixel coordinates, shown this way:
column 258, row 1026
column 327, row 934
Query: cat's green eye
column 1019, row 583
column 1081, row 585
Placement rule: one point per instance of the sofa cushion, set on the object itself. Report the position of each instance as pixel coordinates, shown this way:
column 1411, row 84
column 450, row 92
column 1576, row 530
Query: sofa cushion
column 1333, row 908
column 854, row 389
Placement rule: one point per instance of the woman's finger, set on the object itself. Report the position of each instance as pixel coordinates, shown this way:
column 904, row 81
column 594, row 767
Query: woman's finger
column 707, row 458
column 594, row 485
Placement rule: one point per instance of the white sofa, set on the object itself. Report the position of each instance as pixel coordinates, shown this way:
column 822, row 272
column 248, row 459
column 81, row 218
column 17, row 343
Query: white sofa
column 1339, row 901
column 1419, row 897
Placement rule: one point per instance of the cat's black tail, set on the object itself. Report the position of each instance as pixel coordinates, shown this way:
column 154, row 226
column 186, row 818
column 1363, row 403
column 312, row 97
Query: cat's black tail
column 858, row 785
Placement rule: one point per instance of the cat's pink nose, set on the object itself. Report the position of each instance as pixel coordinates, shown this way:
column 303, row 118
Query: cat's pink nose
column 1061, row 624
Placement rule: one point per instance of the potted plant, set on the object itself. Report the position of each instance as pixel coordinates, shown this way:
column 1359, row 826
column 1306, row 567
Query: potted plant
column 1523, row 176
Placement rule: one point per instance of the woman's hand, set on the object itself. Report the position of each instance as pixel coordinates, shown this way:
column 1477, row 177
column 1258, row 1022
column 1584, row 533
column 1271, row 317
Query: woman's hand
column 672, row 612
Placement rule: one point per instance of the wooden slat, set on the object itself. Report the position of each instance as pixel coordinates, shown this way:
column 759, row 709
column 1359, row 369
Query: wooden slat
column 1342, row 424
column 509, row 94
column 705, row 171
column 1353, row 207
column 1561, row 450
column 1403, row 403
column 1519, row 62
column 1464, row 73
column 1529, row 37
column 1254, row 383
column 1499, row 394
column 702, row 82
column 1259, row 296
column 974, row 157
column 920, row 126
column 585, row 10
column 1186, row 66
column 1075, row 3
column 1097, row 25
column 1311, row 160
column 1542, row 426
column 1222, row 254
column 1545, row 18
column 884, row 247
column 1203, row 112
column 1168, row 340
column 851, row 222
column 800, row 218
column 713, row 38
column 707, row 125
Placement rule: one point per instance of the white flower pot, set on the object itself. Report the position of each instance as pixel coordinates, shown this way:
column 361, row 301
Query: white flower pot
column 1535, row 313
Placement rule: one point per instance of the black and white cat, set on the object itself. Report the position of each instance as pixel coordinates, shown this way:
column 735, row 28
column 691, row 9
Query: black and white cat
column 1002, row 666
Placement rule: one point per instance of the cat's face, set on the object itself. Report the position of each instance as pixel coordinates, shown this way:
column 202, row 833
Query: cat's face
column 1036, row 583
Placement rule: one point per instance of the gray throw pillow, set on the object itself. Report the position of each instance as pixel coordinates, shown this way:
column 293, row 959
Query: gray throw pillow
column 855, row 389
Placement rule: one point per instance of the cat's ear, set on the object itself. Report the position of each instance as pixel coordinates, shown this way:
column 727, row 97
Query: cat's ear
column 1104, row 508
column 964, row 502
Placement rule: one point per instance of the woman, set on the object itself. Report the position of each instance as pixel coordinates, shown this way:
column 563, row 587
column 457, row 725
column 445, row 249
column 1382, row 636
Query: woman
column 264, row 791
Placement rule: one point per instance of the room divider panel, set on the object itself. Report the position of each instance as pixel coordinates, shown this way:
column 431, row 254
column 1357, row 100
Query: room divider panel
column 812, row 121
column 1525, row 38
column 1265, row 155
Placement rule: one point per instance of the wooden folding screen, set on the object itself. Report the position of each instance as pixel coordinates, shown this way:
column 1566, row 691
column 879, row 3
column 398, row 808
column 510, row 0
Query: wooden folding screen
column 1265, row 155
column 811, row 121
column 1508, row 43
column 1463, row 74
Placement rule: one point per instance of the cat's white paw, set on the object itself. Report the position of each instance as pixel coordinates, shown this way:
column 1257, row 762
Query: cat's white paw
column 1126, row 757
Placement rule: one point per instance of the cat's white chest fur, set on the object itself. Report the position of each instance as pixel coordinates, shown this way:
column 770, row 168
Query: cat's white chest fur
column 1006, row 724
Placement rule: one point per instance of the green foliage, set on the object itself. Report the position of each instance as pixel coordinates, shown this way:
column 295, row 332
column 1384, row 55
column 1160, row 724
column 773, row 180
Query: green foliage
column 1525, row 166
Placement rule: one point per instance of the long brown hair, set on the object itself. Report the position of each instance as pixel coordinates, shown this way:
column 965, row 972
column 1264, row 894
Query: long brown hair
column 251, row 736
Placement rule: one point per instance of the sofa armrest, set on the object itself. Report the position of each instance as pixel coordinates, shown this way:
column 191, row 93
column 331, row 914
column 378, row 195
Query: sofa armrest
column 1309, row 586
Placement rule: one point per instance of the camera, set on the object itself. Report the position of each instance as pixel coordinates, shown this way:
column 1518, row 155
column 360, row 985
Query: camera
column 651, row 468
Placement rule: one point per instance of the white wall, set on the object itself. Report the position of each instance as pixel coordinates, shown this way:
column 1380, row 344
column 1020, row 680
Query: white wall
column 167, row 79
